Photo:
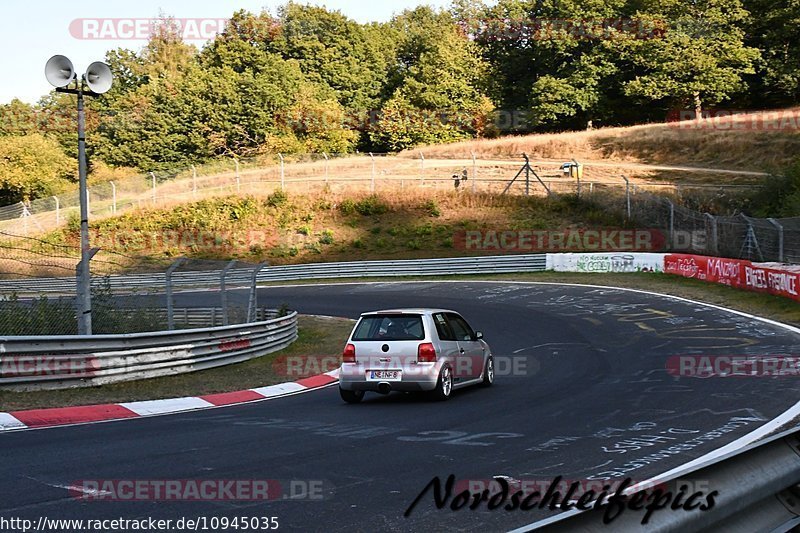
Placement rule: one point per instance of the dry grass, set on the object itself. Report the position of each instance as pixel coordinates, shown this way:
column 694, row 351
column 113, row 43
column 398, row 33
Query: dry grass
column 745, row 142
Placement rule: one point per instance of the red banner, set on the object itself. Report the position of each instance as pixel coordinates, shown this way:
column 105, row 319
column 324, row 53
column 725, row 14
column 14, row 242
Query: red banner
column 735, row 273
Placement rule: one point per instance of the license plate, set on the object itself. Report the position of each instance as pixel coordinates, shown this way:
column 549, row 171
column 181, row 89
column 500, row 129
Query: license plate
column 384, row 375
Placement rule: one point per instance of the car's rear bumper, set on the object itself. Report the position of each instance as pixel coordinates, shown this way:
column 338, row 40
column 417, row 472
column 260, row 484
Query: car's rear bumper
column 420, row 377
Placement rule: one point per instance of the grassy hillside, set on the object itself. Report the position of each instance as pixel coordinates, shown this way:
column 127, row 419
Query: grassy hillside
column 765, row 141
column 287, row 228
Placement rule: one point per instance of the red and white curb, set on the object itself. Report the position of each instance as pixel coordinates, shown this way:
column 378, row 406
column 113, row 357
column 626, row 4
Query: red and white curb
column 65, row 416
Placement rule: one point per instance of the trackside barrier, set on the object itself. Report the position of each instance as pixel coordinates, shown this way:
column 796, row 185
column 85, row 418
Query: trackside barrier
column 759, row 277
column 757, row 489
column 242, row 278
column 59, row 362
column 772, row 278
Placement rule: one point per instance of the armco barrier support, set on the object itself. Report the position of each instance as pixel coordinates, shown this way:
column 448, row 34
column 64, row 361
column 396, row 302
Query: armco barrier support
column 35, row 363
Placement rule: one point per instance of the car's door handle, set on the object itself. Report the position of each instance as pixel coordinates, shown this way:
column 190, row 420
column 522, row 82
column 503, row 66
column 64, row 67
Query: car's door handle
column 385, row 360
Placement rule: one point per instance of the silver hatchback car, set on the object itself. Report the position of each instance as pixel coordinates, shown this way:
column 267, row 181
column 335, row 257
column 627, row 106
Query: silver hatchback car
column 412, row 350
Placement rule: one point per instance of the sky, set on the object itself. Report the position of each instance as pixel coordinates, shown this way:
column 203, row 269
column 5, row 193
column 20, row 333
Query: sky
column 34, row 30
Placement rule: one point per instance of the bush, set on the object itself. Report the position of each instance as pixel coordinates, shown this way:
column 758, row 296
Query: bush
column 277, row 198
column 431, row 208
column 327, row 237
column 369, row 206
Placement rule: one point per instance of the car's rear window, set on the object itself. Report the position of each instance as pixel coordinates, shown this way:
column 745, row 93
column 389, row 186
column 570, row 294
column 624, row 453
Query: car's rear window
column 390, row 328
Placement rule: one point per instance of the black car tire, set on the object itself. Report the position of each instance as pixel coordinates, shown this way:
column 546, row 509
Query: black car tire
column 351, row 396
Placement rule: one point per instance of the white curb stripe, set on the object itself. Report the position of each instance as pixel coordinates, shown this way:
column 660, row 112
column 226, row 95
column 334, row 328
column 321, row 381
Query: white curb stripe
column 157, row 407
column 277, row 390
column 9, row 422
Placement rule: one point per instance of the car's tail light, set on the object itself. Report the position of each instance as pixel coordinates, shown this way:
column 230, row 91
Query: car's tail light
column 426, row 353
column 349, row 354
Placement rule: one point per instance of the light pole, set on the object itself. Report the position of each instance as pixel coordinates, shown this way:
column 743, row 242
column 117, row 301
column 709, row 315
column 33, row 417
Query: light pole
column 60, row 73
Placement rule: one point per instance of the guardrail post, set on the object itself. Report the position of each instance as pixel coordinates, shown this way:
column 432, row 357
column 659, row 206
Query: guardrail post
column 154, row 187
column 224, row 293
column 372, row 184
column 113, row 197
column 283, row 172
column 252, row 310
column 714, row 232
column 422, row 168
column 779, row 226
column 58, row 211
column 168, row 289
column 327, row 163
column 84, row 299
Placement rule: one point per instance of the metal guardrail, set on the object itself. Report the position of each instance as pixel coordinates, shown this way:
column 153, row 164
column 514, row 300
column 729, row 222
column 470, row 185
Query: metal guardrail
column 757, row 490
column 355, row 269
column 35, row 363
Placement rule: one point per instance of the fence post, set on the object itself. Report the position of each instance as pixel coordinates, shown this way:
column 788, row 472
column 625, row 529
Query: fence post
column 168, row 289
column 474, row 171
column 372, row 183
column 194, row 181
column 252, row 305
column 238, row 180
column 154, row 187
column 671, row 234
column 627, row 196
column 779, row 227
column 325, row 155
column 113, row 197
column 422, row 168
column 714, row 233
column 84, row 300
column 283, row 172
column 223, row 292
column 58, row 211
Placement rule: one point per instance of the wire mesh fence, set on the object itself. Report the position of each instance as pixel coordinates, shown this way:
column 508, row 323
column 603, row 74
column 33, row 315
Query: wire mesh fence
column 302, row 173
column 143, row 310
column 690, row 231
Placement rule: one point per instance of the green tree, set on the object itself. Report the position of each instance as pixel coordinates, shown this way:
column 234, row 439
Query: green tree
column 440, row 80
column 699, row 60
column 772, row 29
column 32, row 166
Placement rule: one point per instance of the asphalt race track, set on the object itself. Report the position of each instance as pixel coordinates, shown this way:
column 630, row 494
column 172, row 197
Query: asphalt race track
column 590, row 378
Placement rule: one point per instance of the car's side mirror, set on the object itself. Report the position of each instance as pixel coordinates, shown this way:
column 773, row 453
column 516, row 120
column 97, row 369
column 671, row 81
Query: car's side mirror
column 478, row 335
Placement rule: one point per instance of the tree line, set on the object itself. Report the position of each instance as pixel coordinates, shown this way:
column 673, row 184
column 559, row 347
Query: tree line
column 308, row 79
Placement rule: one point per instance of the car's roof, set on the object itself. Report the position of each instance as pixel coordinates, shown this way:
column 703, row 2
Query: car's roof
column 408, row 311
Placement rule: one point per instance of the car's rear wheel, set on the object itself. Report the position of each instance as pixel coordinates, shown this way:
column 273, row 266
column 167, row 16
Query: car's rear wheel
column 488, row 372
column 444, row 386
column 351, row 396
